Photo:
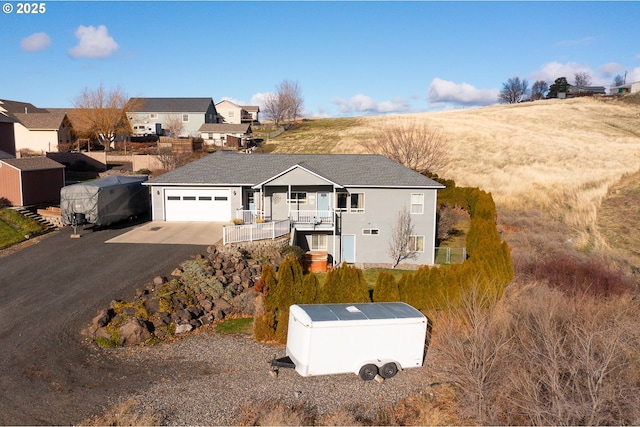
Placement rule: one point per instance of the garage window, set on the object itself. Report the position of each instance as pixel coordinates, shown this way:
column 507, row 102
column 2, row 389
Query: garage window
column 221, row 198
column 204, row 198
column 189, row 198
column 173, row 198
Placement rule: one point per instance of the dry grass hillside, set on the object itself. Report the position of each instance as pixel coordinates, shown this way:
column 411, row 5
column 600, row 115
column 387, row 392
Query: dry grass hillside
column 555, row 158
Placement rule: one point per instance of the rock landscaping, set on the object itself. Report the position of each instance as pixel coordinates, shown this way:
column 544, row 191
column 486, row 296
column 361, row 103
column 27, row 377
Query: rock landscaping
column 201, row 291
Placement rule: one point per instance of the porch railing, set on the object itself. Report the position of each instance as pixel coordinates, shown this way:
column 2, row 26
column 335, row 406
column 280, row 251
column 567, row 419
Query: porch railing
column 251, row 232
column 311, row 217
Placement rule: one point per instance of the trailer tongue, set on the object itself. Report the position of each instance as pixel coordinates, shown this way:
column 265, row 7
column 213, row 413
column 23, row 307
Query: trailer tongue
column 373, row 340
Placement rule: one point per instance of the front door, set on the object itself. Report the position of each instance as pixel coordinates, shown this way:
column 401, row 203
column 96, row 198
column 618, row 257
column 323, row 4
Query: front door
column 324, row 202
column 348, row 248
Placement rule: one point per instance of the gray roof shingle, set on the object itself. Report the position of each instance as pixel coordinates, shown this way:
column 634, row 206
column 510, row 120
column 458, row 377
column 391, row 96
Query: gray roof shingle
column 33, row 121
column 33, row 163
column 356, row 170
column 170, row 105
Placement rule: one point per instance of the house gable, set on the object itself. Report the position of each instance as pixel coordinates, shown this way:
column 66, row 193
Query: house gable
column 299, row 176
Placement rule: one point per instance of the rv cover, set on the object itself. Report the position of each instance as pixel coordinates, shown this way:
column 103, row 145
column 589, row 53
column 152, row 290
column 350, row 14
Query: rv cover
column 105, row 201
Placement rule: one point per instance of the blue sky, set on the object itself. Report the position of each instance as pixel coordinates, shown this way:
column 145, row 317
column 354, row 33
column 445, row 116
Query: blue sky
column 349, row 58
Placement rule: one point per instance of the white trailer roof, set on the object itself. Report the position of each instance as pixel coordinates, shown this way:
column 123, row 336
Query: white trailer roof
column 364, row 311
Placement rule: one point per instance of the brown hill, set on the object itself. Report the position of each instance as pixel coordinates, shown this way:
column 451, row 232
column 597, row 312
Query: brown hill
column 555, row 156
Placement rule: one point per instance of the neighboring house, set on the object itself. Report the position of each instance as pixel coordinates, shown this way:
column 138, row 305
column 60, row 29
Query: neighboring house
column 218, row 133
column 188, row 114
column 35, row 129
column 346, row 205
column 42, row 132
column 574, row 91
column 232, row 113
column 7, row 135
column 31, row 180
column 625, row 88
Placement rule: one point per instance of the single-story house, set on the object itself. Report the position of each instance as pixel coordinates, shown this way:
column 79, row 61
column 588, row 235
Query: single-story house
column 625, row 88
column 232, row 113
column 346, row 205
column 185, row 114
column 31, row 180
column 218, row 133
column 574, row 91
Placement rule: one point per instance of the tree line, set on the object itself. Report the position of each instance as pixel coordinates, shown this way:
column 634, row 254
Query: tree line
column 516, row 90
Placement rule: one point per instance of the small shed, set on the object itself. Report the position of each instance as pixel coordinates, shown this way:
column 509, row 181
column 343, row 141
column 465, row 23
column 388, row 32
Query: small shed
column 31, row 180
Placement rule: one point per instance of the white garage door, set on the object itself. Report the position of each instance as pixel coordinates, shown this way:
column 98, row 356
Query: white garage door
column 197, row 205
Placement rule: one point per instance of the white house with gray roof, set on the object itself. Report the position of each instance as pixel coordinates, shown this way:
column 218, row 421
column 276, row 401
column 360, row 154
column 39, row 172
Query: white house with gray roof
column 190, row 113
column 346, row 205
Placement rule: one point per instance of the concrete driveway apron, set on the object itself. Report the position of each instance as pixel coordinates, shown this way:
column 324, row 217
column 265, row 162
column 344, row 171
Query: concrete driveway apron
column 173, row 233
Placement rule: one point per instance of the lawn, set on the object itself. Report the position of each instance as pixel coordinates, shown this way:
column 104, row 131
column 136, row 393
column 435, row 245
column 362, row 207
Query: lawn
column 16, row 228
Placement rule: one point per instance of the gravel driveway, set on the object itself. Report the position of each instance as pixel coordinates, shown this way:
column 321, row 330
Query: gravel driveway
column 49, row 292
column 50, row 376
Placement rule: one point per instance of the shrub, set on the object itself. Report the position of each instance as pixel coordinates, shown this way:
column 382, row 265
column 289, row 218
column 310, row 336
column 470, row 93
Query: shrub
column 5, row 203
column 197, row 277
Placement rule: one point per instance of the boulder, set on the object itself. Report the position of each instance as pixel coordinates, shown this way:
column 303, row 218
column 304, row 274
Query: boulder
column 183, row 328
column 134, row 331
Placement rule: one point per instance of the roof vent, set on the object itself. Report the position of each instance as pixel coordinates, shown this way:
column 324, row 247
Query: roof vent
column 353, row 309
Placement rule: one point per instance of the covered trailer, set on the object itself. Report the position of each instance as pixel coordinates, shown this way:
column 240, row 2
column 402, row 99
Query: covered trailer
column 104, row 201
column 368, row 339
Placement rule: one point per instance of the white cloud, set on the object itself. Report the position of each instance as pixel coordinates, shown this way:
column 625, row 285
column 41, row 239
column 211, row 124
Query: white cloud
column 552, row 70
column 459, row 94
column 363, row 104
column 585, row 41
column 93, row 42
column 35, row 42
column 611, row 69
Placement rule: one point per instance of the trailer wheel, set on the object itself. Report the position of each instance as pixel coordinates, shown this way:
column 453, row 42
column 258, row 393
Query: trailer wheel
column 388, row 370
column 368, row 372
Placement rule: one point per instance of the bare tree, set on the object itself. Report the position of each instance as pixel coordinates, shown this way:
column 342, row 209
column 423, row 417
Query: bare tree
column 175, row 125
column 273, row 108
column 292, row 101
column 102, row 114
column 400, row 247
column 285, row 103
column 582, row 79
column 539, row 89
column 513, row 91
column 417, row 145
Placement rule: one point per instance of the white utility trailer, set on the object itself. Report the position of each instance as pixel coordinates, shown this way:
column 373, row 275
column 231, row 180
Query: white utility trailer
column 368, row 339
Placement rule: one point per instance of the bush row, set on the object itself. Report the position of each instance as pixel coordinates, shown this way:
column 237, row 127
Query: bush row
column 430, row 288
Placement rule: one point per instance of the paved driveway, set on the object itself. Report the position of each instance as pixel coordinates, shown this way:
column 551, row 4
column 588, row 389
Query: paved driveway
column 49, row 292
column 174, row 233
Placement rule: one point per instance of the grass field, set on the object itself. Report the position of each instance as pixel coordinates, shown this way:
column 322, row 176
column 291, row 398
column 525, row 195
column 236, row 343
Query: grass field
column 560, row 157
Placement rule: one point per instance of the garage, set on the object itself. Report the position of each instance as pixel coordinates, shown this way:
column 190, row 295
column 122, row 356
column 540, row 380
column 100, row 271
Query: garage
column 197, row 205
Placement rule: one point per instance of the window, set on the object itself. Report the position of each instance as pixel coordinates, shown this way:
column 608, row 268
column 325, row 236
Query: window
column 416, row 243
column 357, row 203
column 189, row 198
column 297, row 197
column 221, row 198
column 318, row 242
column 417, row 203
column 342, row 201
column 370, row 231
column 204, row 198
column 173, row 197
column 209, row 136
column 353, row 202
column 230, row 113
column 185, row 117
